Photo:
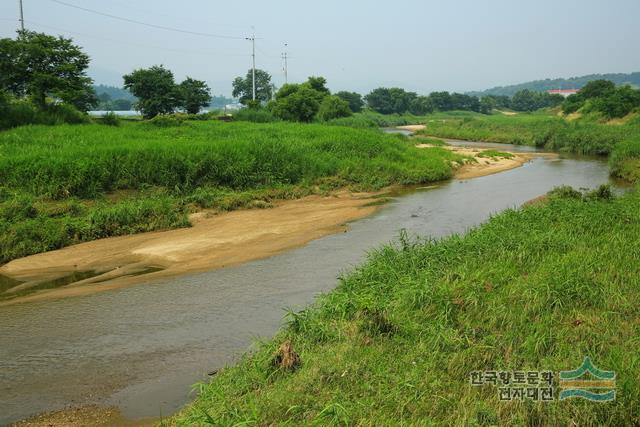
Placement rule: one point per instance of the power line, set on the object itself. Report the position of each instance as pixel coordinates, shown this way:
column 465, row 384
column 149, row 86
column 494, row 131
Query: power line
column 128, row 43
column 161, row 27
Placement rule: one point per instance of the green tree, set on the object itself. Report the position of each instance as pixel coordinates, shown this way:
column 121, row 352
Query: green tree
column 618, row 103
column 155, row 89
column 353, row 99
column 421, row 105
column 194, row 94
column 390, row 100
column 298, row 103
column 243, row 87
column 524, row 100
column 42, row 66
column 319, row 84
column 441, row 101
column 333, row 107
column 487, row 104
column 122, row 105
column 596, row 89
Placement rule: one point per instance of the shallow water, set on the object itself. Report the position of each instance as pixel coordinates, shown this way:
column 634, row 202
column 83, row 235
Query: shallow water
column 141, row 348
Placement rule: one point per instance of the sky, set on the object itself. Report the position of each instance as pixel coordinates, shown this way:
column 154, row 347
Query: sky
column 423, row 46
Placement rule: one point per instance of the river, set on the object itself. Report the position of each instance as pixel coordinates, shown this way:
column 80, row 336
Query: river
column 141, row 348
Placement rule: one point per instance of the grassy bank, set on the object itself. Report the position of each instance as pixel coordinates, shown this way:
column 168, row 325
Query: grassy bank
column 65, row 184
column 534, row 289
column 588, row 135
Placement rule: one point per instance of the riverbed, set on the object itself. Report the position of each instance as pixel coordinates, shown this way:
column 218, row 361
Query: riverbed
column 141, row 348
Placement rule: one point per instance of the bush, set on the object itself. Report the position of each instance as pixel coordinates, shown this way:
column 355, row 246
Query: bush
column 564, row 192
column 301, row 105
column 624, row 161
column 167, row 120
column 110, row 119
column 14, row 113
column 261, row 115
column 333, row 107
column 65, row 113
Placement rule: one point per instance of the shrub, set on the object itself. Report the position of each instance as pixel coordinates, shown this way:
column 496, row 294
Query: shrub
column 333, row 107
column 301, row 105
column 564, row 192
column 624, row 161
column 110, row 119
column 65, row 113
column 167, row 120
column 261, row 115
column 22, row 112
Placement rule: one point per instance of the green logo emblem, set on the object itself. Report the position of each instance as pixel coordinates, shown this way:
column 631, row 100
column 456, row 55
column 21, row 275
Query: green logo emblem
column 588, row 382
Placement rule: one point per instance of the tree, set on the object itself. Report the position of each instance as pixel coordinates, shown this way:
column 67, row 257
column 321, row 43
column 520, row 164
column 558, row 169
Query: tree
column 421, row 105
column 618, row 103
column 596, row 89
column 299, row 105
column 194, row 94
column 524, row 100
column 333, row 107
column 155, row 89
column 243, row 87
column 353, row 99
column 487, row 104
column 390, row 100
column 122, row 105
column 300, row 102
column 42, row 66
column 318, row 84
column 441, row 101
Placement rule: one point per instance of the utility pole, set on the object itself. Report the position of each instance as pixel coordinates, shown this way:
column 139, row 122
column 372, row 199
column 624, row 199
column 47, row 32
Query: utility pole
column 21, row 17
column 253, row 56
column 284, row 57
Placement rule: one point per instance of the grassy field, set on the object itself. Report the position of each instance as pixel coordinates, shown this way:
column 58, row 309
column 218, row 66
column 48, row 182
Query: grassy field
column 587, row 135
column 536, row 289
column 65, row 184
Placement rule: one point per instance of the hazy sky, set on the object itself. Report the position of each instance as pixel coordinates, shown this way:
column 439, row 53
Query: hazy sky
column 358, row 45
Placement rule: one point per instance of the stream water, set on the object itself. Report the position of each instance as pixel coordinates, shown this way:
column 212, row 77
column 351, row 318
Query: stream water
column 141, row 348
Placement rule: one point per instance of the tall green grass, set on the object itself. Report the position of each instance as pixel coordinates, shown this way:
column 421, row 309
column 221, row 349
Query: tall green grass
column 57, row 184
column 86, row 161
column 624, row 161
column 533, row 289
column 539, row 129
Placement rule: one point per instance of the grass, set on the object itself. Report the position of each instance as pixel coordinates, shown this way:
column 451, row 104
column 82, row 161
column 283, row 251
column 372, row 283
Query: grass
column 58, row 182
column 535, row 289
column 538, row 129
column 493, row 154
column 619, row 140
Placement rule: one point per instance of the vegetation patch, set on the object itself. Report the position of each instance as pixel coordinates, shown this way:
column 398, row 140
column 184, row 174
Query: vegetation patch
column 395, row 343
column 495, row 154
column 58, row 183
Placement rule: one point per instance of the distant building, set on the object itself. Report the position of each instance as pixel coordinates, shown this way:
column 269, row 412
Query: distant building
column 563, row 92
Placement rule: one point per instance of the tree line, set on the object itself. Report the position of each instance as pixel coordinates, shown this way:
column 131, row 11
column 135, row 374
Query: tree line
column 604, row 97
column 42, row 77
column 49, row 71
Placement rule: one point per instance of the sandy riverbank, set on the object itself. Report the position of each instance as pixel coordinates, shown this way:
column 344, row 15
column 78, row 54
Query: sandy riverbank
column 214, row 241
column 482, row 166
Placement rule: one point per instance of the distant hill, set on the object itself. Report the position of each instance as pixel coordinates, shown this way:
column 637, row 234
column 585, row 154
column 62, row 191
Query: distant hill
column 114, row 92
column 570, row 83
